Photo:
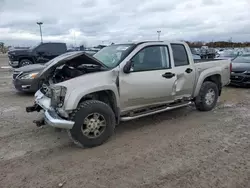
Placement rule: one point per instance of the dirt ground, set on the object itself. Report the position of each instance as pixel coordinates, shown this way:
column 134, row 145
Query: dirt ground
column 181, row 148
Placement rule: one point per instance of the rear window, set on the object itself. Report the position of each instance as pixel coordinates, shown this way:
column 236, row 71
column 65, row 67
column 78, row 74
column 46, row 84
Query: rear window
column 53, row 48
column 180, row 55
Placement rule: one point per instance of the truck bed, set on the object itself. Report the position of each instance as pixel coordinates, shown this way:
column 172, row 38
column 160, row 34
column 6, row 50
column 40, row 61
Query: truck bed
column 206, row 60
column 218, row 66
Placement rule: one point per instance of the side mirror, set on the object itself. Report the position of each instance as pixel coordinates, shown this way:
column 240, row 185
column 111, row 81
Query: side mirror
column 127, row 67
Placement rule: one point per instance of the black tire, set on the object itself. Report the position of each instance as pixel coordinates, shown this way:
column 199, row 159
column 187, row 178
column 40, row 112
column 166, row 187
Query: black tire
column 25, row 62
column 200, row 101
column 83, row 111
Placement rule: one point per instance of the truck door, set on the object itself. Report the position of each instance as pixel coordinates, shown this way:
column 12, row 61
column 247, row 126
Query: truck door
column 150, row 81
column 42, row 53
column 57, row 49
column 184, row 70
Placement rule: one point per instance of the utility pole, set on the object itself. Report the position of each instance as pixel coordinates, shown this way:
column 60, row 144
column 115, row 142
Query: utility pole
column 40, row 26
column 75, row 38
column 159, row 34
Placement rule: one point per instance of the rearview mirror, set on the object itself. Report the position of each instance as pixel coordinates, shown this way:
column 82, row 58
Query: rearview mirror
column 127, row 67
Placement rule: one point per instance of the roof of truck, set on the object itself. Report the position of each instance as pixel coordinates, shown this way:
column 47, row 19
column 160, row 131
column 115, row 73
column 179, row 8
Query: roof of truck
column 141, row 42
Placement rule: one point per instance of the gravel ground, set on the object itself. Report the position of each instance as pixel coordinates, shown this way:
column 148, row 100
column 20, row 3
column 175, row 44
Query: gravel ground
column 181, row 148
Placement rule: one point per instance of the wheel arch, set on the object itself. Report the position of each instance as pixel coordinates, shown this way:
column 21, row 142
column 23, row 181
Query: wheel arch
column 213, row 77
column 107, row 96
column 22, row 58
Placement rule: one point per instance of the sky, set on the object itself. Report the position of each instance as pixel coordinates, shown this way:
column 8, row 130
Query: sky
column 93, row 22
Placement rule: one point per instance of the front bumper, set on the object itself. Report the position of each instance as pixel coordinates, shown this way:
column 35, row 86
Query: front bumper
column 240, row 79
column 53, row 119
column 13, row 64
column 25, row 85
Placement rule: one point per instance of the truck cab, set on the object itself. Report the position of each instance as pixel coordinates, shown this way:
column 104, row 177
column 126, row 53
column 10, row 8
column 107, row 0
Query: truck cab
column 41, row 53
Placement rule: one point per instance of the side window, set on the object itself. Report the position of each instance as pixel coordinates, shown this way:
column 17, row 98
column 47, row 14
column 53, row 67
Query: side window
column 57, row 48
column 180, row 55
column 42, row 48
column 151, row 58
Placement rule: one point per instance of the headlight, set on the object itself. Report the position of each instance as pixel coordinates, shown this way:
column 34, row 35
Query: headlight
column 247, row 72
column 58, row 94
column 29, row 76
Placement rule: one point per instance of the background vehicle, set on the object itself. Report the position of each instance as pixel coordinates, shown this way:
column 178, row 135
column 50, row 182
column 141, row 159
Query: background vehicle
column 27, row 78
column 240, row 75
column 41, row 53
column 123, row 82
column 207, row 53
column 195, row 57
column 228, row 54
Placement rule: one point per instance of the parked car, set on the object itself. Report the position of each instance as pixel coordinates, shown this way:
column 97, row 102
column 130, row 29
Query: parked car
column 228, row 54
column 207, row 53
column 91, row 52
column 41, row 53
column 240, row 75
column 27, row 78
column 123, row 82
column 195, row 57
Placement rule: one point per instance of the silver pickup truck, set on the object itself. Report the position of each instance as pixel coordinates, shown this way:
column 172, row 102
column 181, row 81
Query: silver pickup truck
column 89, row 96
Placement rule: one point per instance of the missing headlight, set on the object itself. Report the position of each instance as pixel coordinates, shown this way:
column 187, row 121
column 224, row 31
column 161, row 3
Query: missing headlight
column 58, row 94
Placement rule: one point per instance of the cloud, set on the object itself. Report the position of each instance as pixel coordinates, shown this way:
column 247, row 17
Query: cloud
column 94, row 21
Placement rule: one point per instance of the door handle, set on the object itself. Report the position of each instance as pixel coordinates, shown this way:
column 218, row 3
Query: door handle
column 188, row 70
column 168, row 75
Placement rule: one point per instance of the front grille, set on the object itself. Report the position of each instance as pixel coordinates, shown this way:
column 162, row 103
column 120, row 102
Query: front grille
column 238, row 71
column 237, row 78
column 10, row 57
column 247, row 79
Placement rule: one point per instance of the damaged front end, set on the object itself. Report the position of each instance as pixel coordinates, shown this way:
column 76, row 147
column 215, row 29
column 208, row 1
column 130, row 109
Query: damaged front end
column 50, row 104
column 49, row 99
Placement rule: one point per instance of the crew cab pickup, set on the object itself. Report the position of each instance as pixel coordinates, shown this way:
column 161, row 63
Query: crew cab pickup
column 41, row 53
column 89, row 96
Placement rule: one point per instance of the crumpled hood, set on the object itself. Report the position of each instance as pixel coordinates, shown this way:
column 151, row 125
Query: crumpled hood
column 86, row 79
column 62, row 59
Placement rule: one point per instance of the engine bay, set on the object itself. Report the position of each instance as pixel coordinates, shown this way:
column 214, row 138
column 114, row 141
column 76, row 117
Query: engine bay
column 66, row 70
column 71, row 70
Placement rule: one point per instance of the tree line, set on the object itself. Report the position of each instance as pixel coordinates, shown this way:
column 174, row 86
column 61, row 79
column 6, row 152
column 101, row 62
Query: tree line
column 195, row 44
column 218, row 44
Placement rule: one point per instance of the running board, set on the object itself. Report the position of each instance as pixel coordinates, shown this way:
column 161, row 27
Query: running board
column 128, row 118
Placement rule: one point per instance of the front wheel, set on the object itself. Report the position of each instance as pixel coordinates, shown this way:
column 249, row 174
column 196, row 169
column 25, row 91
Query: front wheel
column 208, row 96
column 25, row 62
column 94, row 123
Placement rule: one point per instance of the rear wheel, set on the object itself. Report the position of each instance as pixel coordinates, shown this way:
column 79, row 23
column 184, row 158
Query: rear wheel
column 25, row 62
column 208, row 96
column 94, row 123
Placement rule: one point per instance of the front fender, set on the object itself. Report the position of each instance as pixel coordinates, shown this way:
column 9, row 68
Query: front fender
column 72, row 101
column 203, row 75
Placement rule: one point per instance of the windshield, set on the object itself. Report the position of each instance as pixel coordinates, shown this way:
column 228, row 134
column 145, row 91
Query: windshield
column 112, row 55
column 242, row 59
